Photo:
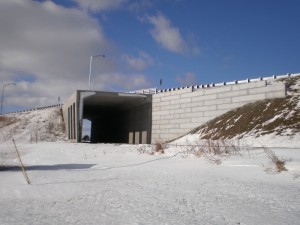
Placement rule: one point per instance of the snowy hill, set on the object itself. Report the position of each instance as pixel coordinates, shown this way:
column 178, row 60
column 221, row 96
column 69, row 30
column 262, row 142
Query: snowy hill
column 33, row 126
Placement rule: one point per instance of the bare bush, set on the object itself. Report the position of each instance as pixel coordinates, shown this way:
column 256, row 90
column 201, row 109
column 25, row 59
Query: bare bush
column 145, row 149
column 199, row 153
column 279, row 164
column 213, row 150
column 159, row 147
column 142, row 149
column 223, row 147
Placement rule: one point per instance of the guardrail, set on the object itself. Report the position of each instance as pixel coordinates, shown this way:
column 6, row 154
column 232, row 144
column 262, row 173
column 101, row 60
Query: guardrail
column 33, row 109
column 203, row 86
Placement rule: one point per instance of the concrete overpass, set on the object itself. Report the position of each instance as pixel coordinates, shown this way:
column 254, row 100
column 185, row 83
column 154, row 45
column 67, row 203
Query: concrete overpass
column 163, row 115
column 115, row 117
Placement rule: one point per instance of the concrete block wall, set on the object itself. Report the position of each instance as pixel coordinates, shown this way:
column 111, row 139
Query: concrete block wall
column 176, row 112
column 70, row 114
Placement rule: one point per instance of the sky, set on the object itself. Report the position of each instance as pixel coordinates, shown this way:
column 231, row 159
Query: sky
column 45, row 46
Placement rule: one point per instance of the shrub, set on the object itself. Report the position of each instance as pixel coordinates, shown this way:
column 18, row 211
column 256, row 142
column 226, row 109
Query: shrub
column 160, row 147
column 213, row 150
column 142, row 149
column 199, row 152
column 278, row 163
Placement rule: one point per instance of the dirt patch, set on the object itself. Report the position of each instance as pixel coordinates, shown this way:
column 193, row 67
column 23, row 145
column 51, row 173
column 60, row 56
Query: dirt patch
column 289, row 81
column 280, row 116
column 5, row 121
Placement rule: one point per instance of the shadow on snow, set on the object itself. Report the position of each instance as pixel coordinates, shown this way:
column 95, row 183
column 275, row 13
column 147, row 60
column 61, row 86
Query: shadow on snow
column 49, row 167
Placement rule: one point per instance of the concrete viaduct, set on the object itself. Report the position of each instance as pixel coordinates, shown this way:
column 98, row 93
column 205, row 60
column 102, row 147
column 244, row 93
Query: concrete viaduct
column 135, row 118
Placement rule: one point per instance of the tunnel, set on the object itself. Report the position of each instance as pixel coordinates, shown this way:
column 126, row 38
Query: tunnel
column 118, row 117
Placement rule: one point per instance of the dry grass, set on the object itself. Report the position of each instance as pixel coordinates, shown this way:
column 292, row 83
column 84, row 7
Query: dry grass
column 160, row 147
column 289, row 81
column 49, row 127
column 213, row 150
column 253, row 117
column 199, row 153
column 258, row 118
column 279, row 164
column 7, row 120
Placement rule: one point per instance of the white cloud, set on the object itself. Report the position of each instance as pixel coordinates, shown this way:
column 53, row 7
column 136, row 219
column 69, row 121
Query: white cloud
column 166, row 35
column 140, row 5
column 107, row 5
column 100, row 5
column 120, row 81
column 46, row 48
column 170, row 37
column 46, row 38
column 187, row 79
column 139, row 63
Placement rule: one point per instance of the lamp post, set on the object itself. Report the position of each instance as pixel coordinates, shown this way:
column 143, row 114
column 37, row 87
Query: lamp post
column 91, row 59
column 4, row 85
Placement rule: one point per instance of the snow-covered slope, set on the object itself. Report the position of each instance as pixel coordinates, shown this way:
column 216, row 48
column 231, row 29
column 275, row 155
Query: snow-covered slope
column 33, row 126
column 273, row 122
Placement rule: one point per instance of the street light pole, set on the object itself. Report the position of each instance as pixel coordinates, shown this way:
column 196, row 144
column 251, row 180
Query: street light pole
column 91, row 59
column 4, row 85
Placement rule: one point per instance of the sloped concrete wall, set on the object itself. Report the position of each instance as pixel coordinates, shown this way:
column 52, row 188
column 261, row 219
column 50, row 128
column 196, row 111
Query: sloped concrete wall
column 70, row 114
column 176, row 112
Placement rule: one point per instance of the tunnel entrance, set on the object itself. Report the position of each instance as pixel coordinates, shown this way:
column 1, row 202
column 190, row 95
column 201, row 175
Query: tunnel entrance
column 118, row 117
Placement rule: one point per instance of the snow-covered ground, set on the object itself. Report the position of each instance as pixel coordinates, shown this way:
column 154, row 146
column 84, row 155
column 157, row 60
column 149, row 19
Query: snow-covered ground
column 268, row 140
column 116, row 184
column 80, row 183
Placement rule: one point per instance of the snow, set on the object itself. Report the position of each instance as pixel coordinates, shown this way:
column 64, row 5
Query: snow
column 32, row 126
column 272, row 120
column 115, row 184
column 272, row 140
column 81, row 183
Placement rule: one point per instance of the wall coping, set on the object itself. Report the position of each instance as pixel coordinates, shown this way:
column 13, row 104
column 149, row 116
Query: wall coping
column 204, row 86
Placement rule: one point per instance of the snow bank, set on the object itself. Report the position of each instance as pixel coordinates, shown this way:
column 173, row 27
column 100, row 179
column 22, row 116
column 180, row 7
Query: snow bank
column 115, row 184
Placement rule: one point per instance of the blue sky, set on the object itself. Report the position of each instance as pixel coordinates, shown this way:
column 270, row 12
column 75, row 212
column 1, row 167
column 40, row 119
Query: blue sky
column 45, row 45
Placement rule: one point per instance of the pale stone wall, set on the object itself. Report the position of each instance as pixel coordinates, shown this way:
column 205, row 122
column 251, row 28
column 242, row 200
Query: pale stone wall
column 70, row 114
column 175, row 112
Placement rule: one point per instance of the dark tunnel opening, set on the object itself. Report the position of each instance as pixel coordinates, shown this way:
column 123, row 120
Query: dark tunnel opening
column 118, row 117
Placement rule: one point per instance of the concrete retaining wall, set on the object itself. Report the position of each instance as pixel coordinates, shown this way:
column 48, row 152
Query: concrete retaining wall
column 70, row 114
column 176, row 112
